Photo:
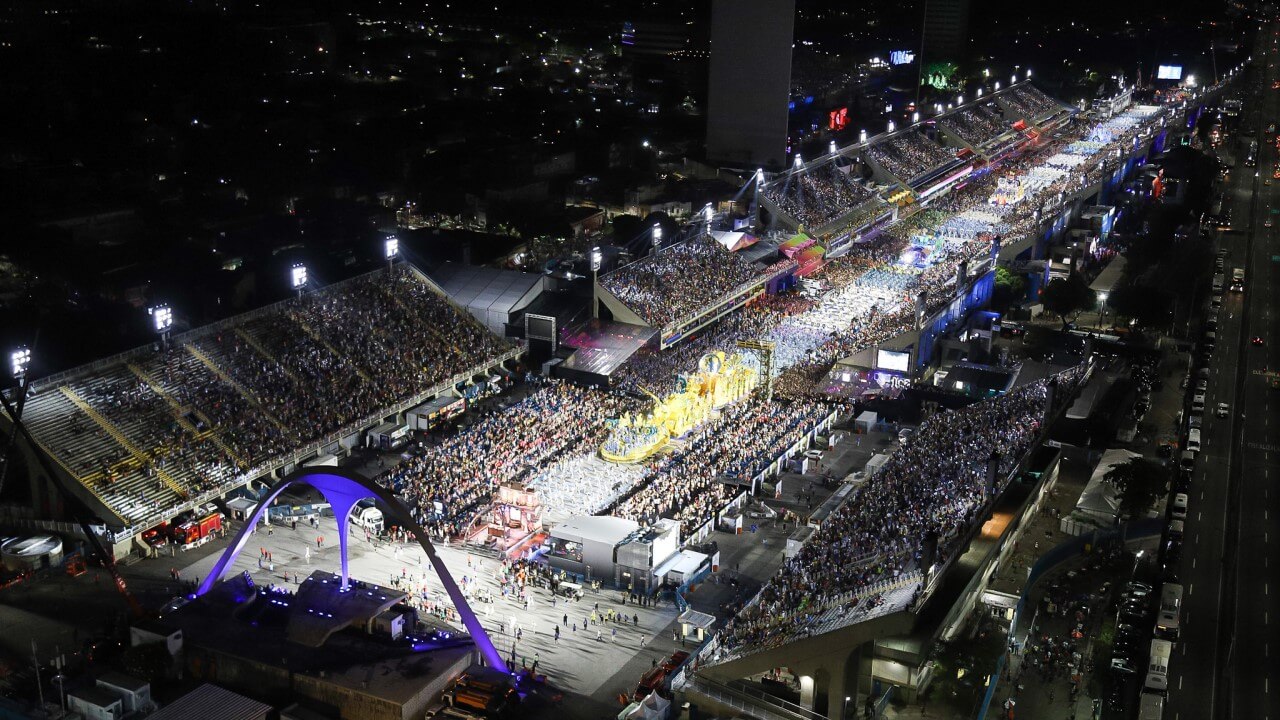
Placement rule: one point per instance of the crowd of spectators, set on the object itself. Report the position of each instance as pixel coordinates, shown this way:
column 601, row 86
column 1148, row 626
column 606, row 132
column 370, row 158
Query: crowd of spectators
column 690, row 484
column 909, row 154
column 451, row 483
column 818, row 194
column 976, row 124
column 1029, row 102
column 932, row 486
column 680, row 280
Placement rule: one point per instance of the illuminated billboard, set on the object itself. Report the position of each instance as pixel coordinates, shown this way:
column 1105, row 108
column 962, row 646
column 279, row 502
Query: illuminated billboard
column 891, row 360
column 1169, row 72
column 901, row 57
column 838, row 119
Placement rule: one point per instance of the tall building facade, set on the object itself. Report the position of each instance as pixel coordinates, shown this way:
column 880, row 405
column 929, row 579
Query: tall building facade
column 946, row 30
column 750, row 82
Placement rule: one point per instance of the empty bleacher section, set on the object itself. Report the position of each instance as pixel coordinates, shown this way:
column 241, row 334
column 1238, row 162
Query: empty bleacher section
column 148, row 433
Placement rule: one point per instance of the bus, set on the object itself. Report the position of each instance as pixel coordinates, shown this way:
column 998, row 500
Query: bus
column 1251, row 159
column 1237, row 280
column 1167, row 621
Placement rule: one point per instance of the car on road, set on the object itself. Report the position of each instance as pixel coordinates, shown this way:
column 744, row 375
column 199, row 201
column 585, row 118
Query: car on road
column 1223, row 410
column 1119, row 665
column 1257, row 340
column 1197, row 403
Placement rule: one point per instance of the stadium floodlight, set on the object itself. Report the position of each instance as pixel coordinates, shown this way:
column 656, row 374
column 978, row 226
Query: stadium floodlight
column 707, row 212
column 1028, row 72
column 799, row 161
column 298, row 276
column 20, row 361
column 862, row 135
column 759, row 175
column 959, row 99
column 915, row 117
column 1013, row 78
column 644, row 144
column 892, row 127
column 657, row 234
column 391, row 248
column 831, row 147
column 1191, row 81
column 979, row 92
column 997, row 84
column 162, row 318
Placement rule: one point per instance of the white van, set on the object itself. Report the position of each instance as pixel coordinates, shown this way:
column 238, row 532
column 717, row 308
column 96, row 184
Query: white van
column 1180, row 506
column 1193, row 439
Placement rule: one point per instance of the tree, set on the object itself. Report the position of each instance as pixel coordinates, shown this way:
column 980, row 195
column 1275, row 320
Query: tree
column 1009, row 287
column 1140, row 482
column 1150, row 307
column 1068, row 298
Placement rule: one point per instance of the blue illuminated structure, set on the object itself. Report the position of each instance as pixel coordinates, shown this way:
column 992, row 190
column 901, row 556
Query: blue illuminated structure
column 343, row 489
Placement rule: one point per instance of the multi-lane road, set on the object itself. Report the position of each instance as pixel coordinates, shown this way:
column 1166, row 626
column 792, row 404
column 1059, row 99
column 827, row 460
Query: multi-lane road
column 1223, row 666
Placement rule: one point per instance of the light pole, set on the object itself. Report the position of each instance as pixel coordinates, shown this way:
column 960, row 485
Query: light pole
column 597, row 258
column 844, row 709
column 1102, row 307
column 656, row 234
column 162, row 319
column 298, row 278
column 19, row 363
column 391, row 250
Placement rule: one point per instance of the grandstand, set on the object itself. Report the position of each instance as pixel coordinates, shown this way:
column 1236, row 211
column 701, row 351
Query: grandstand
column 148, row 434
column 685, row 286
column 1028, row 103
column 909, row 155
column 979, row 125
column 819, row 196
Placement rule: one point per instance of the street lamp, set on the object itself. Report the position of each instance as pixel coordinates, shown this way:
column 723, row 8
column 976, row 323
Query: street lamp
column 298, row 277
column 831, row 147
column 20, row 362
column 891, row 126
column 862, row 135
column 1102, row 304
column 597, row 259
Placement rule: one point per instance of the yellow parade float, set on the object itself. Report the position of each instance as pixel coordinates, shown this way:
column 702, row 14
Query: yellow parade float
column 720, row 380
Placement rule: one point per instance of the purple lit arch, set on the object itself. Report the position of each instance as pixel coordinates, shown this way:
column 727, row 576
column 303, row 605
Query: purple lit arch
column 343, row 489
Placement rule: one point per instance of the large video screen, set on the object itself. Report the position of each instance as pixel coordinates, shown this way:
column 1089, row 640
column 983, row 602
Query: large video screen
column 1169, row 72
column 892, row 360
column 901, row 57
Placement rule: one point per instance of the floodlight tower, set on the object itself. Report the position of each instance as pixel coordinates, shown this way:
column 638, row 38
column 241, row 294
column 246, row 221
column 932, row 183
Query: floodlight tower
column 162, row 320
column 391, row 251
column 597, row 259
column 656, row 239
column 298, row 278
column 19, row 364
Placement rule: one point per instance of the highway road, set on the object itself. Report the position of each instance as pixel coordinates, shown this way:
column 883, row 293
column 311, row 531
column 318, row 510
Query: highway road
column 1222, row 667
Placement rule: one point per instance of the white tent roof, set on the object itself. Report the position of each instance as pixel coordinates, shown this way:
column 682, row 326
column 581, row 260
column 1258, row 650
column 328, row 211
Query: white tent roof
column 1100, row 498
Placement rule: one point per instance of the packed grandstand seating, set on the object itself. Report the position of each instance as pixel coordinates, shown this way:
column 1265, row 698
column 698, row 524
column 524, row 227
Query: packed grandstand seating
column 910, row 154
column 289, row 375
column 170, row 427
column 453, row 481
column 1029, row 102
column 818, row 194
column 679, row 281
column 932, row 485
column 690, row 484
column 976, row 124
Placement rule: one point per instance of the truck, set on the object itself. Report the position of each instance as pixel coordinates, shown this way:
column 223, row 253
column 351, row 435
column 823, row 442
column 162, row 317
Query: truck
column 196, row 531
column 367, row 515
column 1157, row 681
